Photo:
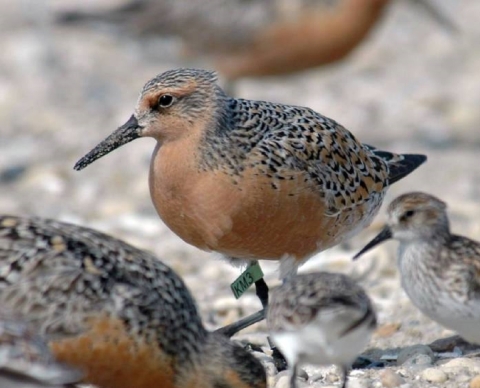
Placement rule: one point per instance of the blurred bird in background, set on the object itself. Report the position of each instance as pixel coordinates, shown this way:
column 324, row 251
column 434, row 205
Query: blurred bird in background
column 245, row 38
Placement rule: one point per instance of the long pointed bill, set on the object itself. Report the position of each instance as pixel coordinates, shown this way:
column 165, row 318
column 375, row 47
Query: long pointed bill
column 123, row 135
column 384, row 235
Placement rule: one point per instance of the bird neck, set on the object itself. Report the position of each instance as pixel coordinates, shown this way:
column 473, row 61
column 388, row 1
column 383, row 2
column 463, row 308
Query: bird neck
column 218, row 146
column 416, row 255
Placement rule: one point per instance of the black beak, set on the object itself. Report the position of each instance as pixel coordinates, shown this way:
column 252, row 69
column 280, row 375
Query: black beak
column 384, row 235
column 123, row 135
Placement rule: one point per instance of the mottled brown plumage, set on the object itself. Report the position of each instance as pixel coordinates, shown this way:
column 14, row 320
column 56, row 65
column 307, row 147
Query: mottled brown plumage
column 112, row 310
column 253, row 179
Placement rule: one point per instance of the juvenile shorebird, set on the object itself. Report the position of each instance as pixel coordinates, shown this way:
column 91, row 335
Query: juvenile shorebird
column 320, row 318
column 113, row 311
column 26, row 361
column 440, row 271
column 253, row 179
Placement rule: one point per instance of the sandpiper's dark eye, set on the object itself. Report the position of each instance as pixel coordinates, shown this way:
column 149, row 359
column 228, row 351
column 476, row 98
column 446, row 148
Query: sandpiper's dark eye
column 165, row 101
column 408, row 214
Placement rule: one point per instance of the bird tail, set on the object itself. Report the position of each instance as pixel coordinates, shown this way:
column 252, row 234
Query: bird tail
column 400, row 165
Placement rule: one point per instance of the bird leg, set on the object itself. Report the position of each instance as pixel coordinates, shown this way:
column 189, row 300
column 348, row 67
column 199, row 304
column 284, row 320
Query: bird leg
column 343, row 375
column 293, row 377
column 261, row 289
column 241, row 324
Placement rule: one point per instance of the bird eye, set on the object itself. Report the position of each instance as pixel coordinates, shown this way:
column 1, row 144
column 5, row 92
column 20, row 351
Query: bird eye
column 408, row 214
column 165, row 100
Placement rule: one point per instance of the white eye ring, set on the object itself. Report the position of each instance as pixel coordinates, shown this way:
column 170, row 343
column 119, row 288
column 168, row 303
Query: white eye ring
column 166, row 100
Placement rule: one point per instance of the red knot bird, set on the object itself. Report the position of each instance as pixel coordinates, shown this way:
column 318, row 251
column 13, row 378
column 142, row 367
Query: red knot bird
column 320, row 318
column 253, row 179
column 26, row 360
column 113, row 311
column 440, row 271
column 254, row 39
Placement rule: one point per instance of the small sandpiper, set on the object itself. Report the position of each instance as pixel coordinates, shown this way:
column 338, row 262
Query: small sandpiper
column 440, row 271
column 320, row 318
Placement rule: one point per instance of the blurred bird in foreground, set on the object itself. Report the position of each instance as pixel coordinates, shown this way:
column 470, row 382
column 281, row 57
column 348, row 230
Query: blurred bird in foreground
column 115, row 312
column 26, row 360
column 255, row 38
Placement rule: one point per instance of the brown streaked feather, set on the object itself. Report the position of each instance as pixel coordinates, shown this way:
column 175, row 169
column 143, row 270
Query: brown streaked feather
column 113, row 358
column 114, row 311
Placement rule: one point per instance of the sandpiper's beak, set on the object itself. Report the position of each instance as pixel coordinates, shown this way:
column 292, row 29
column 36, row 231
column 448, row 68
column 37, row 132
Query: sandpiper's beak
column 123, row 135
column 384, row 235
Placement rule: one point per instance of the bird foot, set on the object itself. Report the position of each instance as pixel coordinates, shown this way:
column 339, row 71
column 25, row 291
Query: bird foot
column 278, row 359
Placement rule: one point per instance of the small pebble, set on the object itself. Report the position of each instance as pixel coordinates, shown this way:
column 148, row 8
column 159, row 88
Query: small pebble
column 281, row 374
column 283, row 382
column 267, row 351
column 332, row 378
column 271, row 381
column 302, row 374
column 475, row 382
column 359, row 383
column 389, row 357
column 356, row 373
column 445, row 344
column 434, row 375
column 462, row 378
column 457, row 364
column 417, row 355
column 12, row 173
column 319, row 376
column 390, row 379
column 388, row 329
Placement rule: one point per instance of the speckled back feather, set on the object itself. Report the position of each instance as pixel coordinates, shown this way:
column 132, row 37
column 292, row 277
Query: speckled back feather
column 69, row 273
column 459, row 264
column 284, row 141
column 296, row 303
